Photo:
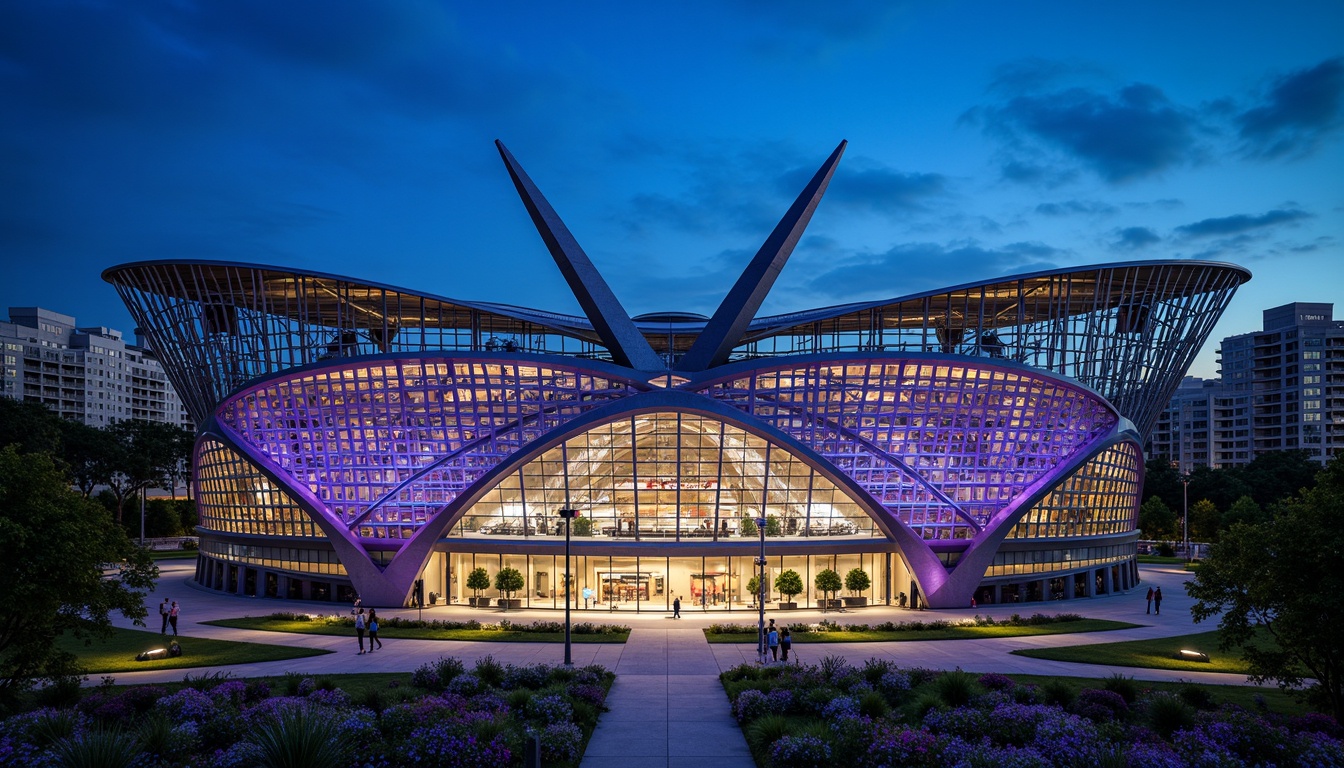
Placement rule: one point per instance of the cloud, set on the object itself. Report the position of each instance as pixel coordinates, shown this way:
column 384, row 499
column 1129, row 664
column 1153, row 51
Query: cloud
column 1135, row 238
column 1233, row 225
column 872, row 187
column 1297, row 112
column 1130, row 134
column 1072, row 207
column 913, row 267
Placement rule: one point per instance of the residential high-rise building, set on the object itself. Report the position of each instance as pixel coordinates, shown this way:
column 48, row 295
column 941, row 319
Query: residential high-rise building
column 1282, row 389
column 87, row 374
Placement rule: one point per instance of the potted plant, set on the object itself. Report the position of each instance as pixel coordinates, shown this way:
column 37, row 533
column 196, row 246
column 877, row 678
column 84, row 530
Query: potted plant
column 857, row 581
column 754, row 588
column 508, row 581
column 901, row 598
column 478, row 580
column 583, row 526
column 773, row 527
column 788, row 584
column 748, row 527
column 828, row 583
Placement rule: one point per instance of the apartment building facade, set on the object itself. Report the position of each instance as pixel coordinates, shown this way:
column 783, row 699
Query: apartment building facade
column 90, row 374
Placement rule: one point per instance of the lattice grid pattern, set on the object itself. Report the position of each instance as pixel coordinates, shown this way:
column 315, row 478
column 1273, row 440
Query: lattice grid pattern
column 386, row 445
column 1100, row 498
column 667, row 476
column 1054, row 560
column 944, row 446
column 232, row 496
column 305, row 560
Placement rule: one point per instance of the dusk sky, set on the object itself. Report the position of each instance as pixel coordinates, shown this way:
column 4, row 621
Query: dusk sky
column 985, row 139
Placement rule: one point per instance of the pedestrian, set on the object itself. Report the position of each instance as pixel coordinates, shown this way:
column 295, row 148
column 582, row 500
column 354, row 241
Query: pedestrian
column 1157, row 601
column 772, row 640
column 359, row 630
column 172, row 617
column 1149, row 609
column 163, row 614
column 785, row 643
column 373, row 630
column 676, row 607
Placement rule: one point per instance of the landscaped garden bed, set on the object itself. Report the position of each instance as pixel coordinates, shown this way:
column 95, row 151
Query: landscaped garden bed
column 436, row 629
column 1155, row 653
column 979, row 627
column 443, row 715
column 878, row 715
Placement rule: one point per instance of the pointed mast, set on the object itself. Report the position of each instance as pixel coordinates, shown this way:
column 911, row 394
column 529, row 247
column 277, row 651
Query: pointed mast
column 726, row 329
column 610, row 320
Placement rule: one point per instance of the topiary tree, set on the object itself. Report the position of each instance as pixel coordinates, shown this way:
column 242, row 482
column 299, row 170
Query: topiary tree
column 754, row 587
column 583, row 526
column 773, row 527
column 789, row 584
column 857, row 581
column 827, row 583
column 508, row 581
column 478, row 580
column 748, row 526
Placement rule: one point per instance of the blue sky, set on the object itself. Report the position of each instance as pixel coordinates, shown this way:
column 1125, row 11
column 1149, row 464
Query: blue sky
column 985, row 139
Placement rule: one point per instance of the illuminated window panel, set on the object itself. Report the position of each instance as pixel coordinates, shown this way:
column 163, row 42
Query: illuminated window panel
column 943, row 446
column 387, row 445
column 233, row 497
column 304, row 560
column 667, row 476
column 1100, row 498
column 1044, row 561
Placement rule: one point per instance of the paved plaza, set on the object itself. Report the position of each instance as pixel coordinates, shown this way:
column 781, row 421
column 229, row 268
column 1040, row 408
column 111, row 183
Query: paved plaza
column 667, row 707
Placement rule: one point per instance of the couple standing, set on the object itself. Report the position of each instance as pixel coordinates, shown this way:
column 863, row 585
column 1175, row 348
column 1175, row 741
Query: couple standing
column 168, row 613
column 369, row 623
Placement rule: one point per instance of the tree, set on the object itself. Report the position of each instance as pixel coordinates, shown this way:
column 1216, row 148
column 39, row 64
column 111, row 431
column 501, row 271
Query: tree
column 754, row 587
column 1156, row 520
column 508, row 581
column 1277, row 475
column 1220, row 486
column 857, row 581
column 55, row 578
column 1243, row 510
column 145, row 456
column 89, row 452
column 583, row 526
column 827, row 583
column 1161, row 479
column 1204, row 521
column 773, row 527
column 1280, row 591
column 477, row 580
column 789, row 584
column 30, row 426
column 748, row 526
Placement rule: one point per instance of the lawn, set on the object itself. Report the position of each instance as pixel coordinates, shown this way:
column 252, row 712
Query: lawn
column 1159, row 653
column 271, row 624
column 172, row 554
column 1248, row 697
column 117, row 653
column 945, row 633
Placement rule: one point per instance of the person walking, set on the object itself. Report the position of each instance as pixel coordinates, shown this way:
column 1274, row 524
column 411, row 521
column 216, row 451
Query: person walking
column 163, row 614
column 1149, row 609
column 1157, row 601
column 359, row 630
column 772, row 640
column 785, row 643
column 676, row 607
column 172, row 617
column 373, row 630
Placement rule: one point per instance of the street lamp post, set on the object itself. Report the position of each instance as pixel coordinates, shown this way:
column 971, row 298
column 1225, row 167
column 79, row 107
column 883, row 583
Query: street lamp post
column 1185, row 514
column 761, row 592
column 568, row 515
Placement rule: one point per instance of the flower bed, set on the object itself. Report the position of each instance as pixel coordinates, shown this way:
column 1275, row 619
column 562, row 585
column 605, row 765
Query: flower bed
column 434, row 629
column 449, row 716
column 880, row 715
column 826, row 631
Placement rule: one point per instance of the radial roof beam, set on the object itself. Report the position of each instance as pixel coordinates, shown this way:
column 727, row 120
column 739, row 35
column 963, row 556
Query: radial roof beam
column 611, row 322
column 725, row 330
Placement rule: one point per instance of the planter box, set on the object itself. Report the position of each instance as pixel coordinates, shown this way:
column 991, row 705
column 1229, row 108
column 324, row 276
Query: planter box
column 788, row 606
column 514, row 603
column 855, row 602
column 830, row 605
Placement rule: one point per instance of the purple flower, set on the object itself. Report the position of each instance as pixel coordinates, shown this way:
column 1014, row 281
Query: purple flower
column 335, row 698
column 187, row 704
column 593, row 694
column 901, row 745
column 1101, row 706
column 993, row 681
column 229, row 692
column 800, row 752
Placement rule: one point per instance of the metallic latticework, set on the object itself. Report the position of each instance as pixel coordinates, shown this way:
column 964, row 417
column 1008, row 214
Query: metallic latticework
column 985, row 431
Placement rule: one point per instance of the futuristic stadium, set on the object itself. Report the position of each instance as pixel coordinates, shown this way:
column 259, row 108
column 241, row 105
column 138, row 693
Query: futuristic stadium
column 975, row 442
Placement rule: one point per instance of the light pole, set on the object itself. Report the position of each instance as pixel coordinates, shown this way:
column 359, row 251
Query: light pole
column 568, row 515
column 1185, row 514
column 142, row 517
column 761, row 592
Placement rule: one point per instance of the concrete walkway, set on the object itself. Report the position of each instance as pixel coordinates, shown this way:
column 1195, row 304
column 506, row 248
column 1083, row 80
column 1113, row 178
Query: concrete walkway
column 667, row 707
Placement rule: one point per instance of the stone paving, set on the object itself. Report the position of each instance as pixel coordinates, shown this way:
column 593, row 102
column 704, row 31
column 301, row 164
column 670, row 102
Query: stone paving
column 667, row 707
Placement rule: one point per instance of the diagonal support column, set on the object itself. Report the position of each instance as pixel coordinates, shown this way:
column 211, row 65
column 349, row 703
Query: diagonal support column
column 610, row 320
column 725, row 330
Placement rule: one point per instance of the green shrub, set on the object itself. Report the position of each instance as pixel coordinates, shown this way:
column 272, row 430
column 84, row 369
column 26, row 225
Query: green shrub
column 97, row 749
column 1196, row 696
column 300, row 738
column 1167, row 714
column 955, row 688
column 874, row 705
column 1125, row 686
column 489, row 671
column 1056, row 692
column 766, row 730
